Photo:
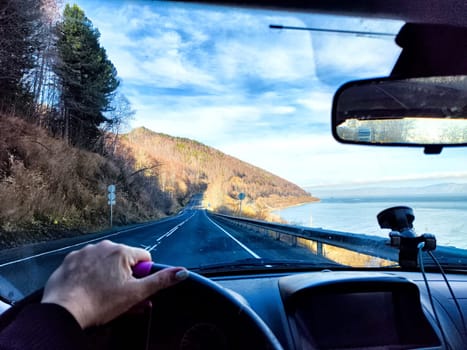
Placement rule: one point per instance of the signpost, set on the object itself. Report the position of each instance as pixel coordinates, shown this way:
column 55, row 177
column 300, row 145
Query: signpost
column 111, row 197
column 241, row 197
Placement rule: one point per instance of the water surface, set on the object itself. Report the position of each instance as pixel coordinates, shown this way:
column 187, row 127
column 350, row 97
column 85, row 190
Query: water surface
column 443, row 216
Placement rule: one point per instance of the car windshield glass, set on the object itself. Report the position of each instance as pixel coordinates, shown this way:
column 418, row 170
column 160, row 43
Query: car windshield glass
column 160, row 124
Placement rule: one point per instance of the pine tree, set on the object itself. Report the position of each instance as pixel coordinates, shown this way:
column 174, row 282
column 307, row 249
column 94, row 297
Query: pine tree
column 88, row 78
column 17, row 24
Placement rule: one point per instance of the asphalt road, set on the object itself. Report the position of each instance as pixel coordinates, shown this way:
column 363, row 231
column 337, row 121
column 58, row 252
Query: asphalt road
column 189, row 239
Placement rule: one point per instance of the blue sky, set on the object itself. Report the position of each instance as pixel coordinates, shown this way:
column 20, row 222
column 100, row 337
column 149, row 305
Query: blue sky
column 226, row 79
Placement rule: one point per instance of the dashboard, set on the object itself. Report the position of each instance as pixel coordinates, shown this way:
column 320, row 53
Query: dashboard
column 326, row 309
column 316, row 310
column 342, row 311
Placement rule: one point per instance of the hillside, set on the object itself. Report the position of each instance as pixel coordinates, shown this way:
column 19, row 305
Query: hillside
column 184, row 167
column 50, row 190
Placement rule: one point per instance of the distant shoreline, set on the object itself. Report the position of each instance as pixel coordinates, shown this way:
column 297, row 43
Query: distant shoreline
column 313, row 200
column 403, row 200
column 397, row 197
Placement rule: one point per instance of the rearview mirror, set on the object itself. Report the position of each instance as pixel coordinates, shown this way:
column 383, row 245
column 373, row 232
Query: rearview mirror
column 407, row 112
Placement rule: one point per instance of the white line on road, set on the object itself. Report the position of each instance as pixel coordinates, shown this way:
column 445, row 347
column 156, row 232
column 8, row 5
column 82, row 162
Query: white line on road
column 167, row 234
column 236, row 240
column 72, row 245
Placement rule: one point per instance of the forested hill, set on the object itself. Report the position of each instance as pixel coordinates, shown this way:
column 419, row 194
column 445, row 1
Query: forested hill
column 184, row 166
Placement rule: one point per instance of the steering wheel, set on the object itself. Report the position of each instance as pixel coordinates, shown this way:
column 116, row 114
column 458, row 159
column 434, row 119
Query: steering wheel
column 199, row 298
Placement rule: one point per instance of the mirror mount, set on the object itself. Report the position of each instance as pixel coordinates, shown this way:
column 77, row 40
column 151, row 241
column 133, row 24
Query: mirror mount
column 433, row 149
column 431, row 50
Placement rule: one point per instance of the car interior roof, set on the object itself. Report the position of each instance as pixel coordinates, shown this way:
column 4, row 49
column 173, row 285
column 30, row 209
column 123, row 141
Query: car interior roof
column 417, row 11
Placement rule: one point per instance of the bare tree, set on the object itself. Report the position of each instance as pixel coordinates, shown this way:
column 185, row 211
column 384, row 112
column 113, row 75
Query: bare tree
column 119, row 116
column 26, row 41
column 44, row 81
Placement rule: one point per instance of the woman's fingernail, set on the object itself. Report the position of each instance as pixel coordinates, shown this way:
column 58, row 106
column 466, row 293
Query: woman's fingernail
column 182, row 275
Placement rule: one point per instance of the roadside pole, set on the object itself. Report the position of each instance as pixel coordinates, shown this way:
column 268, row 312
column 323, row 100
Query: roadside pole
column 241, row 197
column 111, row 197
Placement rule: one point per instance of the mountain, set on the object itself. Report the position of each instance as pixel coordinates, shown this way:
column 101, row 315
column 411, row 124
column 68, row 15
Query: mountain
column 184, row 167
column 440, row 189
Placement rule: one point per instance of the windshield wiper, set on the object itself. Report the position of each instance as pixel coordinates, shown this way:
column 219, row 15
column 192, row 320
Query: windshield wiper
column 253, row 264
column 448, row 257
column 447, row 265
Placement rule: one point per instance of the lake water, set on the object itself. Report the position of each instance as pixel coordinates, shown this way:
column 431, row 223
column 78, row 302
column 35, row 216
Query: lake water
column 445, row 217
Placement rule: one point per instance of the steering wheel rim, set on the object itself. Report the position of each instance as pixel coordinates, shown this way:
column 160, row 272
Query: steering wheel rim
column 242, row 308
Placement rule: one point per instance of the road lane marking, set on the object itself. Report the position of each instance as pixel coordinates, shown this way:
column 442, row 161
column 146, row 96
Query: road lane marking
column 74, row 245
column 167, row 234
column 236, row 240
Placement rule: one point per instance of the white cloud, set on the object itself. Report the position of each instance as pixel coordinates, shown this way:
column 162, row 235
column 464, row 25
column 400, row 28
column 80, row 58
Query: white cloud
column 228, row 80
column 319, row 160
column 368, row 56
column 319, row 103
column 351, row 55
column 205, row 124
column 168, row 41
column 266, row 58
column 172, row 71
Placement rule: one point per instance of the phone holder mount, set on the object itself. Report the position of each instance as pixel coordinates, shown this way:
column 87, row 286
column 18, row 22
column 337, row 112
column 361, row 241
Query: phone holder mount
column 402, row 235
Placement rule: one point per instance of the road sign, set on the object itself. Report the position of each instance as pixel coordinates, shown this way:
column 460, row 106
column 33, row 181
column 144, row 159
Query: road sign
column 111, row 196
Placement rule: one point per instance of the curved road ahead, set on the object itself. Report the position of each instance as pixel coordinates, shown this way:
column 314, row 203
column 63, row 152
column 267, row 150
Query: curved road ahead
column 192, row 238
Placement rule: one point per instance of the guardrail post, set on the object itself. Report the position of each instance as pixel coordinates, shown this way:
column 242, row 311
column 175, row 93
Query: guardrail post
column 319, row 248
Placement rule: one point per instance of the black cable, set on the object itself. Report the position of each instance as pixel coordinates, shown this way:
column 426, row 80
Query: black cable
column 459, row 309
column 339, row 31
column 430, row 296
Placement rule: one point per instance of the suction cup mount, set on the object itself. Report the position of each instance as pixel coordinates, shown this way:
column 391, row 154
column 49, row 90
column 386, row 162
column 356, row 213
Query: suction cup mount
column 402, row 235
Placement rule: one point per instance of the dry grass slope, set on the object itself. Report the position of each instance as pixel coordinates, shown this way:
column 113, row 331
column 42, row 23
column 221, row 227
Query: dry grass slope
column 49, row 189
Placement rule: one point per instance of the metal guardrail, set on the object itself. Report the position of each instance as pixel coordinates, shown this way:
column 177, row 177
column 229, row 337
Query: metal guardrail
column 342, row 247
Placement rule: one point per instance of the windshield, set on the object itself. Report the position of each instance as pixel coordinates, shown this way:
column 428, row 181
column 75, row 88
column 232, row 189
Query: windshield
column 142, row 121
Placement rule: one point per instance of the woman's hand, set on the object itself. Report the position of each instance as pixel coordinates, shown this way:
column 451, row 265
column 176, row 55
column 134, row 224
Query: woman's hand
column 95, row 284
